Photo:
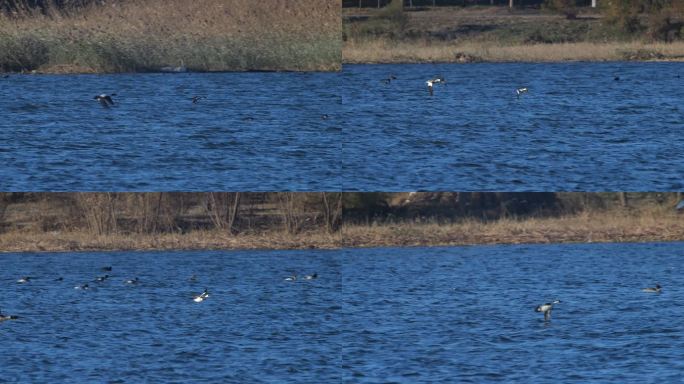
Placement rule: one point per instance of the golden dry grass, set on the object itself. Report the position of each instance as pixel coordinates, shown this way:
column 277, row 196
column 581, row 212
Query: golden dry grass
column 29, row 241
column 417, row 51
column 648, row 225
column 144, row 35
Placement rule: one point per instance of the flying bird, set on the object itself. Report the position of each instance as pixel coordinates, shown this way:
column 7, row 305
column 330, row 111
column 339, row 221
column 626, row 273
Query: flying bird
column 201, row 297
column 546, row 309
column 389, row 79
column 105, row 99
column 520, row 91
column 437, row 80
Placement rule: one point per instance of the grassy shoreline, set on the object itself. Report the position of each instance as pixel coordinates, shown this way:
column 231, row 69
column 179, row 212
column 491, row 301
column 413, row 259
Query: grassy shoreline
column 491, row 34
column 599, row 227
column 414, row 52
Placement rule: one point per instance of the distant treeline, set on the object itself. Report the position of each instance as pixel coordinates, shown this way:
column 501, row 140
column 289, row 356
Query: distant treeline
column 455, row 206
column 245, row 212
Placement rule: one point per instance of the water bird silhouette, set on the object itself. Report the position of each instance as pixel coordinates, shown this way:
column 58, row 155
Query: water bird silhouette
column 133, row 281
column 196, row 99
column 546, row 309
column 4, row 317
column 389, row 79
column 101, row 279
column 520, row 91
column 656, row 289
column 201, row 297
column 293, row 277
column 437, row 80
column 24, row 280
column 105, row 99
column 311, row 277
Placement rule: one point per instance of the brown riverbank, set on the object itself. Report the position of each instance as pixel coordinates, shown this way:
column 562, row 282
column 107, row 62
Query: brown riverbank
column 494, row 34
column 58, row 241
column 167, row 221
column 582, row 228
column 422, row 51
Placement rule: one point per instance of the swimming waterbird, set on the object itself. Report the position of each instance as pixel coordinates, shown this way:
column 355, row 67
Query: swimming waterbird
column 656, row 289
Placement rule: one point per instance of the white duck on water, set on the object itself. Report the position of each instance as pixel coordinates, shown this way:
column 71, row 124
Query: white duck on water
column 201, row 297
column 546, row 309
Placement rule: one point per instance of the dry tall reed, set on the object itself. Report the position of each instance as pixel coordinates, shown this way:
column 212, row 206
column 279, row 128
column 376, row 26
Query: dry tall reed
column 146, row 35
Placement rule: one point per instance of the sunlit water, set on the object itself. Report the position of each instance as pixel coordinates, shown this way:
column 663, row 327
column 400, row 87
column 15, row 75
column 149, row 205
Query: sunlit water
column 253, row 328
column 576, row 129
column 254, row 131
column 456, row 314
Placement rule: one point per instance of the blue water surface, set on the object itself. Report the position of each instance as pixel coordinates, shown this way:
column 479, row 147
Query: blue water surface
column 399, row 315
column 466, row 314
column 577, row 129
column 253, row 132
column 253, row 328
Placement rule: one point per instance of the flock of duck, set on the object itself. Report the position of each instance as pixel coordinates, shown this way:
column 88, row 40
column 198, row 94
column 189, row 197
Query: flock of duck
column 106, row 99
column 546, row 308
column 441, row 80
column 101, row 279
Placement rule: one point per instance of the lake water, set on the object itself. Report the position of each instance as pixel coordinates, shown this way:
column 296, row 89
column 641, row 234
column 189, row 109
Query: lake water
column 466, row 314
column 428, row 315
column 576, row 130
column 254, row 327
column 255, row 131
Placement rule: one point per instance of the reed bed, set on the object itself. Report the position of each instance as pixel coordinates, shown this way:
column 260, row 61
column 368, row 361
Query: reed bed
column 419, row 51
column 640, row 226
column 82, row 241
column 146, row 35
column 646, row 225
